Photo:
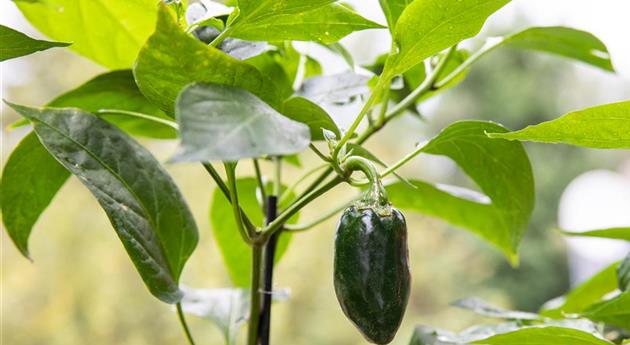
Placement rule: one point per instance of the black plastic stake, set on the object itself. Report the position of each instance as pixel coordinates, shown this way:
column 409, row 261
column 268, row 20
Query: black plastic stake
column 269, row 255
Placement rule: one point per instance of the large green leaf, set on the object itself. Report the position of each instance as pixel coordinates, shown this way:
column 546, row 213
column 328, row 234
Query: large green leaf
column 612, row 233
column 172, row 59
column 324, row 24
column 392, row 10
column 603, row 127
column 571, row 43
column 23, row 181
column 251, row 10
column 109, row 32
column 219, row 122
column 236, row 254
column 586, row 294
column 16, row 44
column 30, row 180
column 623, row 274
column 500, row 169
column 427, row 27
column 615, row 311
column 302, row 110
column 142, row 202
column 544, row 336
column 118, row 91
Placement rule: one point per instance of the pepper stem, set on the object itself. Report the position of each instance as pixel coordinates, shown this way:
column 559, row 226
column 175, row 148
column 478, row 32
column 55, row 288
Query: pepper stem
column 375, row 197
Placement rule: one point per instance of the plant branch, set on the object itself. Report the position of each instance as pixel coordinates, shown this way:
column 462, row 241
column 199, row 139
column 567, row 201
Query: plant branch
column 402, row 162
column 261, row 184
column 287, row 192
column 230, row 170
column 426, row 85
column 490, row 45
column 226, row 192
column 319, row 153
column 182, row 322
column 277, row 224
column 155, row 119
column 328, row 214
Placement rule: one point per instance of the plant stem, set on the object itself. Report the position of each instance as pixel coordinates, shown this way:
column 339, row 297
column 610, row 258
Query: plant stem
column 277, row 224
column 219, row 39
column 261, row 184
column 289, row 190
column 402, row 162
column 490, row 45
column 226, row 192
column 319, row 153
column 182, row 321
column 155, row 119
column 254, row 308
column 423, row 88
column 230, row 170
column 328, row 214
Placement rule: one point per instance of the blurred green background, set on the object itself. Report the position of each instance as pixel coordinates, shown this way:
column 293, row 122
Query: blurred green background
column 82, row 289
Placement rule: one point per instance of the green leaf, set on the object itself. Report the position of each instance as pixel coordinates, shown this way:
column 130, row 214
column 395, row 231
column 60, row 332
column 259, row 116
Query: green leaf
column 335, row 88
column 623, row 274
column 424, row 335
column 392, row 10
column 427, row 27
column 544, row 336
column 219, row 122
column 615, row 311
column 117, row 90
column 16, row 44
column 252, row 10
column 612, row 233
column 172, row 59
column 586, row 294
column 142, row 202
column 483, row 308
column 275, row 67
column 30, row 180
column 323, row 24
column 571, row 43
column 602, row 127
column 109, row 32
column 500, row 169
column 236, row 254
column 302, row 110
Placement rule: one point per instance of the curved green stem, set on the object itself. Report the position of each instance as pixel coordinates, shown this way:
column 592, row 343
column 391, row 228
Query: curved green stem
column 328, row 214
column 402, row 162
column 226, row 192
column 182, row 322
column 490, row 45
column 279, row 222
column 155, row 119
column 294, row 186
column 261, row 184
column 424, row 87
column 230, row 170
column 222, row 36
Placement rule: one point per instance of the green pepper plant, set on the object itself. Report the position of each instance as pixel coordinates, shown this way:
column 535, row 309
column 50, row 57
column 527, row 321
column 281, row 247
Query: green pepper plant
column 233, row 90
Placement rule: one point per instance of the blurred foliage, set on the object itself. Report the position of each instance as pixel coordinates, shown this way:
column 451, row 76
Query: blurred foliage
column 82, row 289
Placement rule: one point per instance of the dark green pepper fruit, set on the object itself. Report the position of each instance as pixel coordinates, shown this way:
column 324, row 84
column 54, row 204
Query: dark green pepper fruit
column 371, row 268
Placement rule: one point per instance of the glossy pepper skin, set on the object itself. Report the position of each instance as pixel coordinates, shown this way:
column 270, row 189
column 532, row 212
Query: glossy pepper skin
column 371, row 271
